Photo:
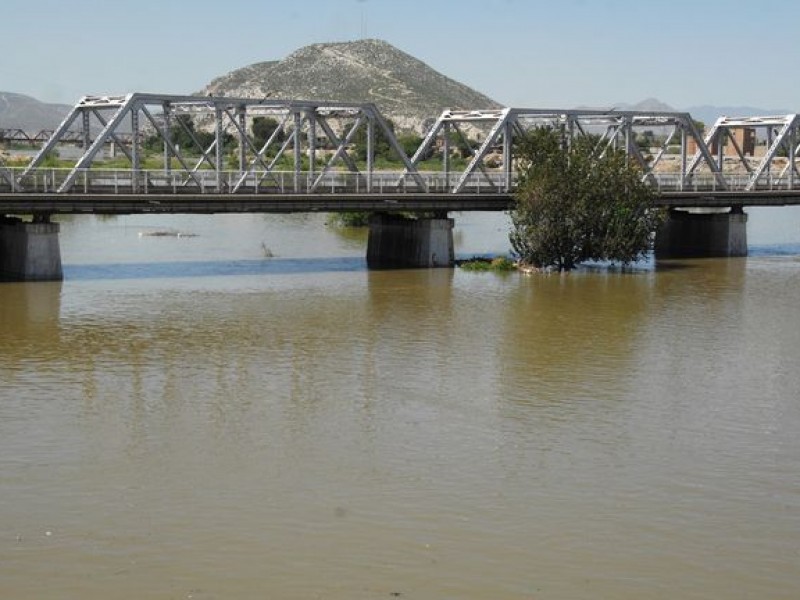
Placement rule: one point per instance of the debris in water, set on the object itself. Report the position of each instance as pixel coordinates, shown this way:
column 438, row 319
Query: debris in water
column 167, row 233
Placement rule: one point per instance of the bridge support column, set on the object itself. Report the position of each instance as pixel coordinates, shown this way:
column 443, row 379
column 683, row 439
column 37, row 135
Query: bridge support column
column 29, row 251
column 702, row 234
column 399, row 242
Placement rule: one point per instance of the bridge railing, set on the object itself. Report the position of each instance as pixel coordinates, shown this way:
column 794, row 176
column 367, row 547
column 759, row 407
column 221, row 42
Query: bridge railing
column 734, row 182
column 126, row 181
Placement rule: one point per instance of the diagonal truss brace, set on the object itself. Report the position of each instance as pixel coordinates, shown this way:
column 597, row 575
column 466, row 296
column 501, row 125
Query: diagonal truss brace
column 783, row 136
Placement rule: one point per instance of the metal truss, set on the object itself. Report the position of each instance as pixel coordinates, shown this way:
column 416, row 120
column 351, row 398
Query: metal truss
column 69, row 137
column 782, row 135
column 314, row 137
column 312, row 150
column 613, row 129
column 703, row 163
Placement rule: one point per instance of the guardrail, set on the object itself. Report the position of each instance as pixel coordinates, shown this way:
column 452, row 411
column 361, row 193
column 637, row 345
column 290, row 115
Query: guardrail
column 126, row 181
column 734, row 182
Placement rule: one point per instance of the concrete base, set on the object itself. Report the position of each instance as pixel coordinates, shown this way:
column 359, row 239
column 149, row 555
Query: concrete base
column 29, row 251
column 702, row 234
column 397, row 242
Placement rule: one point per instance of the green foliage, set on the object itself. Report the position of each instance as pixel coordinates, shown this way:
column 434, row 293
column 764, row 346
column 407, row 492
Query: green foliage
column 349, row 219
column 182, row 133
column 500, row 264
column 382, row 149
column 410, row 142
column 51, row 160
column 572, row 206
column 263, row 128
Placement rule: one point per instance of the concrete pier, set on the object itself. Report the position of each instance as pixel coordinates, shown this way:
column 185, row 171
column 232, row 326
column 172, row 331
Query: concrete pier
column 703, row 234
column 29, row 251
column 399, row 242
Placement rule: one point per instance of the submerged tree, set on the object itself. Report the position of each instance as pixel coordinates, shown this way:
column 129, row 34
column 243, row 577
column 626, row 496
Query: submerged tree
column 572, row 206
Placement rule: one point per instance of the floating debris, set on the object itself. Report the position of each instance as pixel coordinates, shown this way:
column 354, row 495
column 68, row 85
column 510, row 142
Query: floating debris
column 167, row 233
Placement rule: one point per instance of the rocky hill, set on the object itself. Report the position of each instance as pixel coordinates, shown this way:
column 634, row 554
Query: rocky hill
column 18, row 111
column 404, row 88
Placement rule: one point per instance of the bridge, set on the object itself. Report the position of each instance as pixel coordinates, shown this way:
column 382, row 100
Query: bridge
column 310, row 160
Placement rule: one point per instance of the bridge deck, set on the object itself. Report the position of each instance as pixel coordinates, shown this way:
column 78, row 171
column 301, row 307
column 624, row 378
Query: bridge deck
column 193, row 203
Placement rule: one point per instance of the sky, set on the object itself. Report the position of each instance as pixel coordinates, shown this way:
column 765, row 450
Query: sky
column 524, row 53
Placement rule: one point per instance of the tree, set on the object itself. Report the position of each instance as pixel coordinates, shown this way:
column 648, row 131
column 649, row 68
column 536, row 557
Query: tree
column 382, row 148
column 184, row 129
column 262, row 129
column 571, row 206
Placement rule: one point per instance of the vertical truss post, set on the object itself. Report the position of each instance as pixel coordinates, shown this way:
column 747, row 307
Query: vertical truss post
column 570, row 129
column 87, row 135
column 298, row 122
column 370, row 150
column 219, row 130
column 628, row 125
column 136, row 158
column 770, row 133
column 792, row 152
column 312, row 143
column 508, row 130
column 241, row 115
column 446, row 154
column 167, row 110
column 684, row 151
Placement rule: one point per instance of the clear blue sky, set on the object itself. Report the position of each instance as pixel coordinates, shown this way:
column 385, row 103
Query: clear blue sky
column 520, row 52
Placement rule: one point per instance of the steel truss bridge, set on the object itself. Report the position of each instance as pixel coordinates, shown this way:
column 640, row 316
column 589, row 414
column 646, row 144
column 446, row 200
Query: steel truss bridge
column 317, row 141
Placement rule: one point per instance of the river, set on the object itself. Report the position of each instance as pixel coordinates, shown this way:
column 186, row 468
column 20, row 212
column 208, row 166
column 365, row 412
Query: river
column 188, row 417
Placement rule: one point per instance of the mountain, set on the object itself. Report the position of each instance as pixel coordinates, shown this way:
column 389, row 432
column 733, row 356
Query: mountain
column 18, row 111
column 405, row 89
column 649, row 105
column 706, row 113
column 709, row 114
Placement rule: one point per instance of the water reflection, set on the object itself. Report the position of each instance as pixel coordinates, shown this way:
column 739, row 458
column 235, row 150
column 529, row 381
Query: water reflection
column 568, row 337
column 26, row 305
column 228, row 268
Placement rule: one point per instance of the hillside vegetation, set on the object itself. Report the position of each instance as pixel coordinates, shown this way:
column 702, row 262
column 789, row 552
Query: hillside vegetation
column 405, row 89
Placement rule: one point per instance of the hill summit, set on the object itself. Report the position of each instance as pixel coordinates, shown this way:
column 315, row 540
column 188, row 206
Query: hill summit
column 405, row 89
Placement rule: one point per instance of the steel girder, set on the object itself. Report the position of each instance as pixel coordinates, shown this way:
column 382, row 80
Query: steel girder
column 314, row 131
column 321, row 135
column 782, row 134
column 124, row 121
column 499, row 128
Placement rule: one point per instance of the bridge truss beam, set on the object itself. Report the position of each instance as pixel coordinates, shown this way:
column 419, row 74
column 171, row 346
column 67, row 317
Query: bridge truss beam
column 312, row 148
column 782, row 134
column 499, row 129
column 309, row 135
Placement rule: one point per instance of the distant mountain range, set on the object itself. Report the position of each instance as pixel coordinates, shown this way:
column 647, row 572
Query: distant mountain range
column 706, row 112
column 18, row 111
column 404, row 88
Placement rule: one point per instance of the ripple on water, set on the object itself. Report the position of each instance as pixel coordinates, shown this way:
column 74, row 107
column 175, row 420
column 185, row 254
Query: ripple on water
column 345, row 433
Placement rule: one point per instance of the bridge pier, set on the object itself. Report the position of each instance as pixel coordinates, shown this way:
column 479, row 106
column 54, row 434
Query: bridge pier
column 29, row 251
column 397, row 242
column 702, row 234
